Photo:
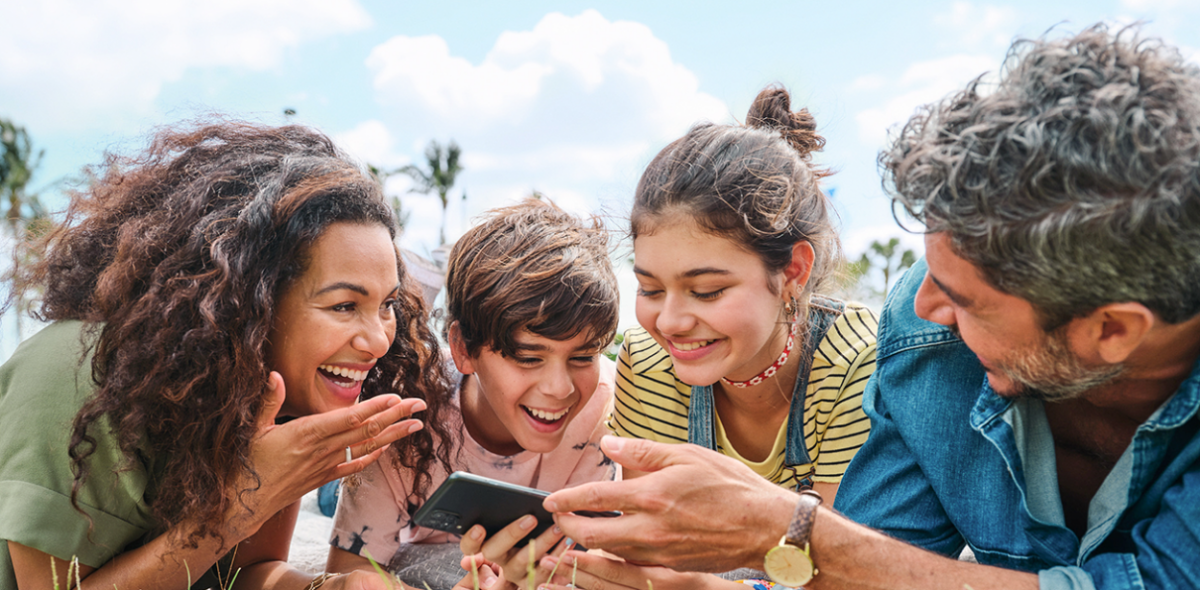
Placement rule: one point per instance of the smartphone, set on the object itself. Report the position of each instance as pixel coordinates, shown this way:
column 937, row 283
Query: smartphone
column 465, row 500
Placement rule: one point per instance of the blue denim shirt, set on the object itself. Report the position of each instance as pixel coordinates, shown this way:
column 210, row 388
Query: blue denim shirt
column 949, row 462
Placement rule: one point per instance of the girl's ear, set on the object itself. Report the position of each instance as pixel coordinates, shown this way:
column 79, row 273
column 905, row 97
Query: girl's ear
column 458, row 350
column 796, row 273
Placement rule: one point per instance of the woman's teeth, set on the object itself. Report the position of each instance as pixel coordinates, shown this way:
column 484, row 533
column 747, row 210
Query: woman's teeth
column 546, row 416
column 691, row 345
column 350, row 374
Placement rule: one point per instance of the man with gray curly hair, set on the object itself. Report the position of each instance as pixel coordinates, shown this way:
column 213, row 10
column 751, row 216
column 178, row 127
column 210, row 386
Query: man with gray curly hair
column 1037, row 395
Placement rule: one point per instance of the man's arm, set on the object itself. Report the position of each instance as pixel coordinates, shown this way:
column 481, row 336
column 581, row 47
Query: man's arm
column 698, row 510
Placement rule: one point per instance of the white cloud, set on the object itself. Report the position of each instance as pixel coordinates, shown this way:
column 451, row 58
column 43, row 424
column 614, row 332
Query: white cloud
column 570, row 105
column 922, row 83
column 976, row 25
column 77, row 63
column 608, row 88
column 371, row 143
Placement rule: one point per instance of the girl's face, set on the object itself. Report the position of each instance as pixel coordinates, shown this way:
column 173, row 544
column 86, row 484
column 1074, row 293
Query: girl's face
column 709, row 302
column 335, row 320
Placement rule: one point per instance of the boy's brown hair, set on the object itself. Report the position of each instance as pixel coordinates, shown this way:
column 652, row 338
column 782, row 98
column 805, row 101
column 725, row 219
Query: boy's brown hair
column 531, row 266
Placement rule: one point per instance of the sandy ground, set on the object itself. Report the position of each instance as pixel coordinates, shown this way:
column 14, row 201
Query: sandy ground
column 310, row 541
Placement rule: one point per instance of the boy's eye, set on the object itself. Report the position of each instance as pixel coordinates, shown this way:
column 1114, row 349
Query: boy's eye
column 526, row 360
column 584, row 360
column 707, row 296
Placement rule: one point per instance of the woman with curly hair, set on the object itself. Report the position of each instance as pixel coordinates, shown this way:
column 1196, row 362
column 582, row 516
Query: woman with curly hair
column 218, row 305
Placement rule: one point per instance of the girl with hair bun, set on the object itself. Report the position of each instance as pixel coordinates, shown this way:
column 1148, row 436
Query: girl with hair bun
column 737, row 350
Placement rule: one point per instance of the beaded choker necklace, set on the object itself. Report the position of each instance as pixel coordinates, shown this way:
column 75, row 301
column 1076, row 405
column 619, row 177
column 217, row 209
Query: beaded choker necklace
column 771, row 370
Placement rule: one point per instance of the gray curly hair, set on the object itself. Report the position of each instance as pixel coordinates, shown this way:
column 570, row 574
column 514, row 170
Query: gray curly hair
column 1075, row 183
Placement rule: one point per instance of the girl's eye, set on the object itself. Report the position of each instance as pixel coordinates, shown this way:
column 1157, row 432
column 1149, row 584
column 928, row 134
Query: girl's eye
column 643, row 292
column 708, row 296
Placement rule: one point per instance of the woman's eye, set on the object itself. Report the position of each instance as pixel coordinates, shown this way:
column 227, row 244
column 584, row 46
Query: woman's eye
column 643, row 292
column 390, row 306
column 348, row 306
column 707, row 296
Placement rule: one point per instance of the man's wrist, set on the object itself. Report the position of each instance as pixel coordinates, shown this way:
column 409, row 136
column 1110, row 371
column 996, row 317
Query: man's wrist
column 777, row 515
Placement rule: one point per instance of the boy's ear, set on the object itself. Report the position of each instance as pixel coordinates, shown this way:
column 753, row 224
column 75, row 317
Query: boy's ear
column 458, row 350
column 796, row 273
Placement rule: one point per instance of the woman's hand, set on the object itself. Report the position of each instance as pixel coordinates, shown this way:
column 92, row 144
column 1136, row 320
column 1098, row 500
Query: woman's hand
column 590, row 570
column 506, row 551
column 295, row 458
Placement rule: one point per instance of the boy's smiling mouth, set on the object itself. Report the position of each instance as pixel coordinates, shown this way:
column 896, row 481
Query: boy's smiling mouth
column 546, row 416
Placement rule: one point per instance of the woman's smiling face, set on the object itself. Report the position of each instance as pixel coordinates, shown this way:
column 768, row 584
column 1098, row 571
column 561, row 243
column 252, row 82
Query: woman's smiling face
column 336, row 319
column 707, row 301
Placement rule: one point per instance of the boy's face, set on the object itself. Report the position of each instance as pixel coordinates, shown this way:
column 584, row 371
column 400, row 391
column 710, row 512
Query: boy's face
column 526, row 401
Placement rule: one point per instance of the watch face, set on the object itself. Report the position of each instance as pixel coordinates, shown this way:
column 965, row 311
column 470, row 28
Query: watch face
column 788, row 565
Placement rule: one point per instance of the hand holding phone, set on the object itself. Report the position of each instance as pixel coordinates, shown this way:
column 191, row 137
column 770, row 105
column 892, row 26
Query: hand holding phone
column 465, row 500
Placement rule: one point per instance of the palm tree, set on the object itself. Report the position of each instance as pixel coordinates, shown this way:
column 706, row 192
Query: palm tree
column 17, row 164
column 443, row 170
column 24, row 216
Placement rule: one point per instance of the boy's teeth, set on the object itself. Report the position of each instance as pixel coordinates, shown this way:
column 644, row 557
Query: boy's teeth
column 350, row 374
column 690, row 345
column 548, row 416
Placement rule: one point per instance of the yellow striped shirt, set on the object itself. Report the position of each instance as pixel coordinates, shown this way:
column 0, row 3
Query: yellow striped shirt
column 652, row 403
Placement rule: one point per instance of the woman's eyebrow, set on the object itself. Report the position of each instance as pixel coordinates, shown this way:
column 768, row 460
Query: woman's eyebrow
column 361, row 290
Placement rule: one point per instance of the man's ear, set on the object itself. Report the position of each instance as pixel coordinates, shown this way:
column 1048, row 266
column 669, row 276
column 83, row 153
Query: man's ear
column 458, row 350
column 1111, row 333
column 796, row 273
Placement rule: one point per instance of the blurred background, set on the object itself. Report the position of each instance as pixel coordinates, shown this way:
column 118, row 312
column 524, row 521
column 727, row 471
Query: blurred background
column 460, row 106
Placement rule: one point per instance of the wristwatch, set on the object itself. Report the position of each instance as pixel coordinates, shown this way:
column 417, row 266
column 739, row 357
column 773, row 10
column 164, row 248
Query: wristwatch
column 789, row 562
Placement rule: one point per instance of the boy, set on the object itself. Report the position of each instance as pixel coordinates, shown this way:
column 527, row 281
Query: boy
column 531, row 302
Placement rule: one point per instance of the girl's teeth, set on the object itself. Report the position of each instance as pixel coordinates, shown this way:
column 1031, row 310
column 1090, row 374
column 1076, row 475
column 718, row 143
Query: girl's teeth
column 547, row 416
column 690, row 345
column 344, row 372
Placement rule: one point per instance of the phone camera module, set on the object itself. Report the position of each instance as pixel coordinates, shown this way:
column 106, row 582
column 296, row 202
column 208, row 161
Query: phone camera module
column 443, row 520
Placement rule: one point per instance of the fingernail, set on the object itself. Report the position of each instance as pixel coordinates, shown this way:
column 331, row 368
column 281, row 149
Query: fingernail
column 489, row 582
column 550, row 505
column 415, row 426
column 476, row 533
column 549, row 561
column 393, row 401
column 557, row 530
column 528, row 521
column 570, row 542
column 612, row 444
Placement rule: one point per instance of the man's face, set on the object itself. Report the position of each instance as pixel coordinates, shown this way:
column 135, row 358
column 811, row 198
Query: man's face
column 1002, row 330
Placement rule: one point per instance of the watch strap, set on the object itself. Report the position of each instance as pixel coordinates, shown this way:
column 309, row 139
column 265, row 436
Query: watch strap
column 800, row 529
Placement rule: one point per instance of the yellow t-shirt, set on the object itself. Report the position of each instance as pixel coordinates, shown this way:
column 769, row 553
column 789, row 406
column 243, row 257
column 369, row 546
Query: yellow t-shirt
column 652, row 403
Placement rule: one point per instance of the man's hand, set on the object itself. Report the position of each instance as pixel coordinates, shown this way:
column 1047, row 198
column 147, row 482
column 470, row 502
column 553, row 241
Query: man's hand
column 694, row 510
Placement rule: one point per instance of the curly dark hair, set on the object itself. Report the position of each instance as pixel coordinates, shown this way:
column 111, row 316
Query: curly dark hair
column 753, row 184
column 1075, row 182
column 175, row 260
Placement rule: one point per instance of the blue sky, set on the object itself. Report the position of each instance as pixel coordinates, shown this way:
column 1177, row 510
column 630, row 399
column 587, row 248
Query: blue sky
column 568, row 98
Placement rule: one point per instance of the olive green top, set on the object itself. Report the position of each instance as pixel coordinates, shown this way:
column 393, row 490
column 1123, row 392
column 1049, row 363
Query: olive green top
column 42, row 387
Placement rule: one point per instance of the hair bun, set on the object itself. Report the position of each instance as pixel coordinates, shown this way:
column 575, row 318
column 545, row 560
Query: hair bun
column 772, row 109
